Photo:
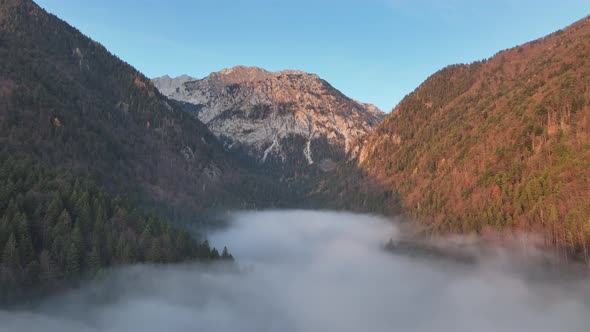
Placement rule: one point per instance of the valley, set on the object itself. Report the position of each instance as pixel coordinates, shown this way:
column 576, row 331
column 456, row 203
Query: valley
column 262, row 199
column 315, row 271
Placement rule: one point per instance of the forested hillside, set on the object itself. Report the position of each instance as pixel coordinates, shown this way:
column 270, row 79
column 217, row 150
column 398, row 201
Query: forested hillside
column 56, row 228
column 499, row 144
column 66, row 100
column 79, row 129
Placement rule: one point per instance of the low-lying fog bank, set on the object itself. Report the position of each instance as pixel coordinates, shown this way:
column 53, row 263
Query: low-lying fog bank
column 314, row 271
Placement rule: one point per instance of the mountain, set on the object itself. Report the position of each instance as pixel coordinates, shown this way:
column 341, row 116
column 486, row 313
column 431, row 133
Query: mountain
column 168, row 85
column 289, row 120
column 68, row 101
column 497, row 144
column 79, row 130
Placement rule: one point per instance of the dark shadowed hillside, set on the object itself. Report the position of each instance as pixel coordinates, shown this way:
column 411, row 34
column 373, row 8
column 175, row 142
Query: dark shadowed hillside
column 69, row 102
column 497, row 144
column 56, row 228
column 79, row 129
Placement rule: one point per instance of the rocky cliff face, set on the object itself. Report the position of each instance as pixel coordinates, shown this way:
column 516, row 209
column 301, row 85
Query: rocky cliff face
column 290, row 120
column 167, row 85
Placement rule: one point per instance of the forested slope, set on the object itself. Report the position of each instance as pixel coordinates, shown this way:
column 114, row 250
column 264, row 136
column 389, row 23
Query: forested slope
column 85, row 140
column 499, row 144
column 66, row 100
column 56, row 228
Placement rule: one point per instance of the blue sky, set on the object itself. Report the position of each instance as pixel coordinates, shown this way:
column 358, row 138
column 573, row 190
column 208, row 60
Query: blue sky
column 375, row 51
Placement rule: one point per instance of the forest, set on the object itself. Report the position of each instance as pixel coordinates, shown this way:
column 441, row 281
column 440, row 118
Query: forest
column 57, row 229
column 499, row 145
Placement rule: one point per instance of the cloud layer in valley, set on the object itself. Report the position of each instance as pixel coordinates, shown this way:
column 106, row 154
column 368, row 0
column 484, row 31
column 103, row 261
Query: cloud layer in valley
column 312, row 271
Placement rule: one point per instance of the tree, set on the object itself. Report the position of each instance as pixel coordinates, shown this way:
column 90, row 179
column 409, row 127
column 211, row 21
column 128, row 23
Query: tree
column 553, row 219
column 25, row 250
column 63, row 226
column 10, row 257
column 93, row 263
column 226, row 255
column 72, row 268
column 214, row 254
column 47, row 270
column 55, row 208
column 155, row 254
column 76, row 237
column 123, row 250
column 84, row 213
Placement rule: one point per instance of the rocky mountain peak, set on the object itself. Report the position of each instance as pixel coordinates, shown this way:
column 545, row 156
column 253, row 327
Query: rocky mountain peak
column 168, row 85
column 288, row 118
column 241, row 74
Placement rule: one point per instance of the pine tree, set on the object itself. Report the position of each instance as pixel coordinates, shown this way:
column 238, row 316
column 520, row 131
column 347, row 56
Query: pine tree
column 55, row 208
column 145, row 241
column 204, row 250
column 214, row 254
column 226, row 255
column 93, row 264
column 84, row 213
column 10, row 257
column 5, row 230
column 63, row 226
column 98, row 230
column 47, row 274
column 72, row 268
column 155, row 255
column 123, row 250
column 25, row 250
column 76, row 237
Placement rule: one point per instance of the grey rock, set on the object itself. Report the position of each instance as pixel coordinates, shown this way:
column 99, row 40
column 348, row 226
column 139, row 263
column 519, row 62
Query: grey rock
column 285, row 117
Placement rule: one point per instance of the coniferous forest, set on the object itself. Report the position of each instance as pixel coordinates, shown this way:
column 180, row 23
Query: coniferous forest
column 56, row 229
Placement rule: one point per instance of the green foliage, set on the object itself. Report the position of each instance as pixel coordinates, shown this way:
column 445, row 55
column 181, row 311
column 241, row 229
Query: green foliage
column 51, row 235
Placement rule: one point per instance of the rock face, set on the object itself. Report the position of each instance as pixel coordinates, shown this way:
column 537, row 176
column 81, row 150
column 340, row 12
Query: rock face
column 168, row 85
column 290, row 120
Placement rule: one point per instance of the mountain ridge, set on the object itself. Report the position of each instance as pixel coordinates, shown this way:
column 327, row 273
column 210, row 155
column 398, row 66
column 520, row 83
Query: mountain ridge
column 72, row 103
column 86, row 142
column 282, row 118
column 497, row 144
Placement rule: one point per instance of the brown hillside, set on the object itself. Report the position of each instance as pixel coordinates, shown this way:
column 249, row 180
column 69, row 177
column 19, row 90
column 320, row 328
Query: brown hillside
column 502, row 143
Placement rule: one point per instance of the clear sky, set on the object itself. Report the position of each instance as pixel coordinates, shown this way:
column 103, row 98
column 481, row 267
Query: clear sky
column 375, row 51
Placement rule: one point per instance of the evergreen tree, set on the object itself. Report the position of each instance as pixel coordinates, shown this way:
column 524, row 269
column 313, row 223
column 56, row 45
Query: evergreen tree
column 47, row 274
column 214, row 254
column 10, row 257
column 93, row 262
column 55, row 208
column 72, row 268
column 25, row 250
column 226, row 255
column 155, row 255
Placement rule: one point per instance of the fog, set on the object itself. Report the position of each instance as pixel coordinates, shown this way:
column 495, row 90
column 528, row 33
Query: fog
column 316, row 271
